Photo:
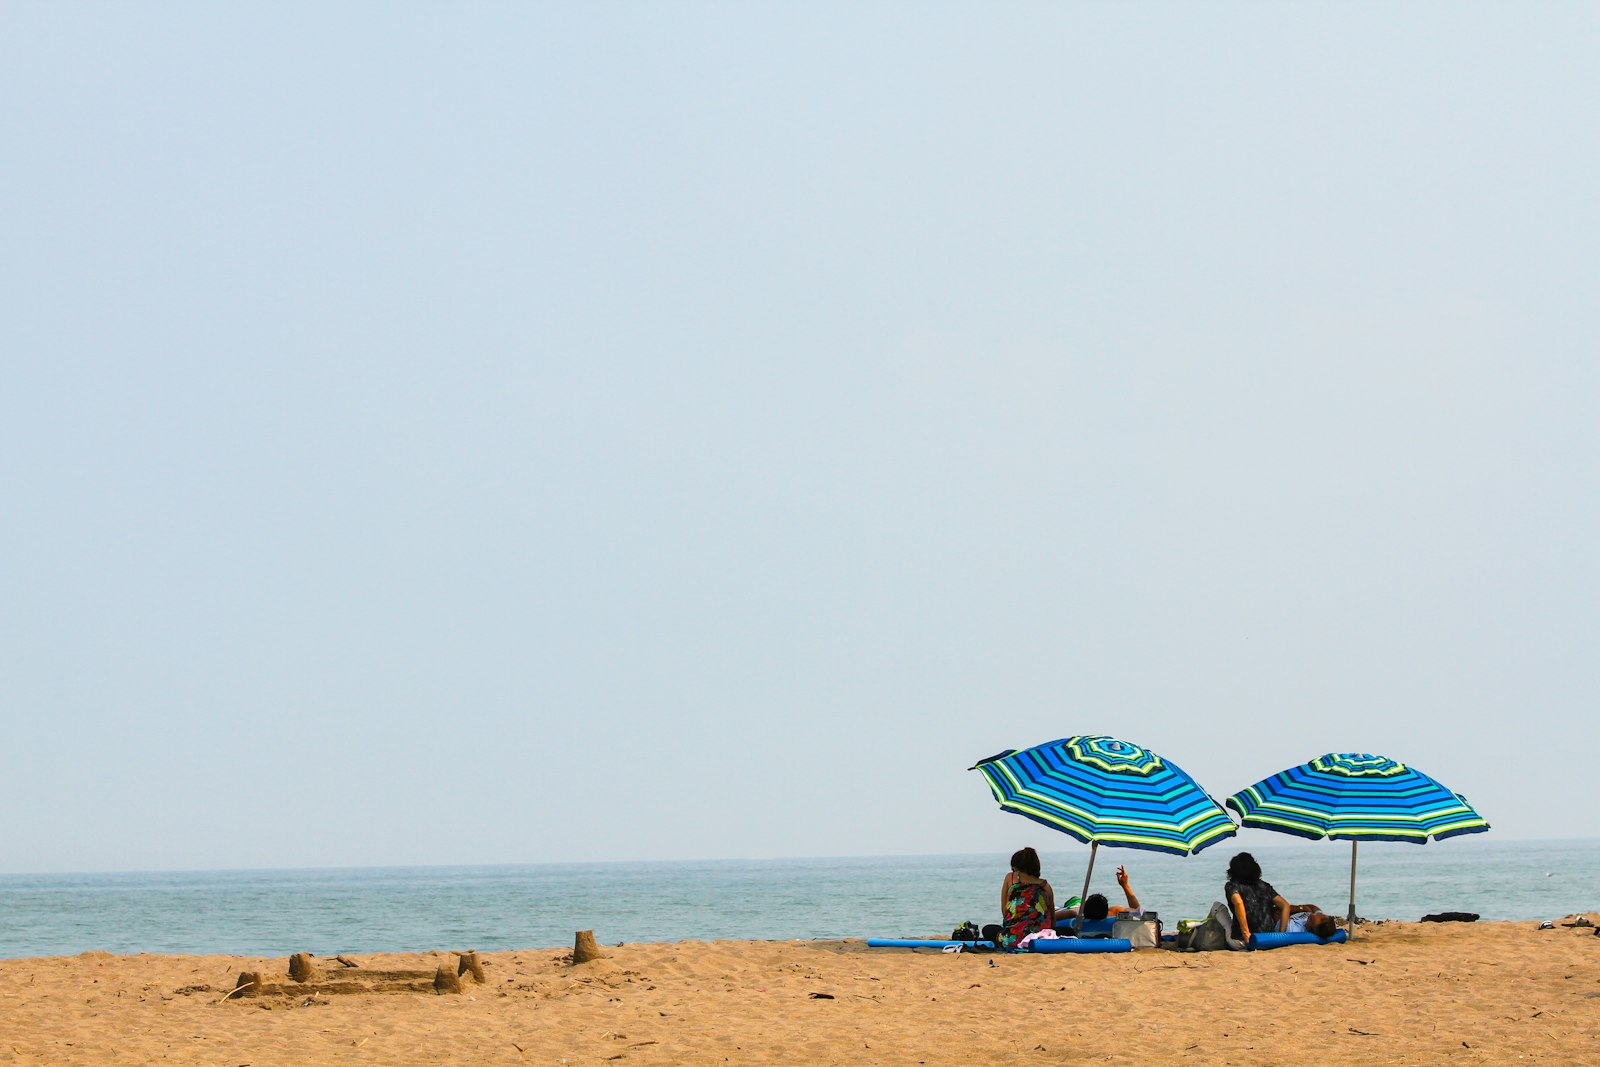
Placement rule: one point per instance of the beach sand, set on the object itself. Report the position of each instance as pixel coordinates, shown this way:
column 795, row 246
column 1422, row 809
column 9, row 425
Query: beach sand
column 1402, row 993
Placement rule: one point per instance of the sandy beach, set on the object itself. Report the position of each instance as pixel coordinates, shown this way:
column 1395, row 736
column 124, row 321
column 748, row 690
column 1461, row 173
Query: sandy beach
column 1402, row 993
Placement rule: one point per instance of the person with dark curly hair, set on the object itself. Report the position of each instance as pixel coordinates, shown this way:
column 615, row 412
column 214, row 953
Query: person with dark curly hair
column 1257, row 907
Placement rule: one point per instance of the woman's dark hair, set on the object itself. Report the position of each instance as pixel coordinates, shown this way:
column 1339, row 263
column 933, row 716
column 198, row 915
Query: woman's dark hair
column 1025, row 860
column 1244, row 869
column 1096, row 907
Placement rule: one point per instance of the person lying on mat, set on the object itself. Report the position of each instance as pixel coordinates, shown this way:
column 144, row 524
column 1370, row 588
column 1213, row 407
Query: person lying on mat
column 1096, row 907
column 1310, row 919
column 1257, row 907
column 1026, row 900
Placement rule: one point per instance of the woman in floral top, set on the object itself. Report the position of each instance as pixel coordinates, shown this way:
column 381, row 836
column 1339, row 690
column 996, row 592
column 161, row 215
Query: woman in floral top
column 1027, row 903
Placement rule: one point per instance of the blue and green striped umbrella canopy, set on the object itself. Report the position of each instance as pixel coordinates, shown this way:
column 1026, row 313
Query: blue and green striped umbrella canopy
column 1105, row 791
column 1355, row 796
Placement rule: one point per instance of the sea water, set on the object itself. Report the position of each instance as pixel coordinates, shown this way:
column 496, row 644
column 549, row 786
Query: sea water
column 274, row 913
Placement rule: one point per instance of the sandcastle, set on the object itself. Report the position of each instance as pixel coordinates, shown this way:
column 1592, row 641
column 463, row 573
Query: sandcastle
column 308, row 977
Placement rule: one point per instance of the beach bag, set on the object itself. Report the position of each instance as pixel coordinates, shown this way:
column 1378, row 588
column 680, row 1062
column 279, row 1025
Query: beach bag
column 1143, row 931
column 966, row 932
column 1205, row 936
column 1213, row 932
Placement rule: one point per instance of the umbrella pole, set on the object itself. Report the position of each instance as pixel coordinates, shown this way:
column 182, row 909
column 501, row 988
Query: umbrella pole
column 1350, row 920
column 1077, row 924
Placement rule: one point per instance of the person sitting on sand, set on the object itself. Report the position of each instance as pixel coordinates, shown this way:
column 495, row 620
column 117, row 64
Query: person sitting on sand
column 1310, row 919
column 1026, row 900
column 1257, row 907
column 1096, row 907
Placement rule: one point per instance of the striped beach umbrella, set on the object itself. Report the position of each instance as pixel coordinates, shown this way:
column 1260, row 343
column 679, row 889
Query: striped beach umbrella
column 1105, row 791
column 1355, row 797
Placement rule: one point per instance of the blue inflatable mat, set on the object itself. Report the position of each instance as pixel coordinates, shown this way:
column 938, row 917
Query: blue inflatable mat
column 908, row 942
column 1081, row 944
column 1280, row 940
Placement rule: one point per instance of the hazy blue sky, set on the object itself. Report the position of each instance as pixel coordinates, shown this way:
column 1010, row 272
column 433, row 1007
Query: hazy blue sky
column 522, row 432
